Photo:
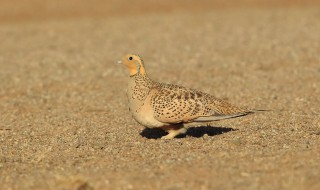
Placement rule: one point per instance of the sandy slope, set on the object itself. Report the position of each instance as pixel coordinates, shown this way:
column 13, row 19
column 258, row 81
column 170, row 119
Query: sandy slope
column 64, row 122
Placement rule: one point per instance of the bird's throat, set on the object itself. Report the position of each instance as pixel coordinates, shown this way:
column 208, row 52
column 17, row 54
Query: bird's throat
column 134, row 70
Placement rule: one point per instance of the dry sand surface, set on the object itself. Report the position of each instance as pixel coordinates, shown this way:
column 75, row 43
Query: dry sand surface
column 64, row 119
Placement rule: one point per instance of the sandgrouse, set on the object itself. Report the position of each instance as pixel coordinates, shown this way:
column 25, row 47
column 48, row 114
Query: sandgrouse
column 170, row 107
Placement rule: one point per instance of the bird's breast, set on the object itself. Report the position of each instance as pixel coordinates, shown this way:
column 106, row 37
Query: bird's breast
column 143, row 112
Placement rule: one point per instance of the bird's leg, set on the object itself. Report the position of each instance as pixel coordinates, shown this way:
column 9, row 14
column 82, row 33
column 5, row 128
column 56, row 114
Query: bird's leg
column 173, row 131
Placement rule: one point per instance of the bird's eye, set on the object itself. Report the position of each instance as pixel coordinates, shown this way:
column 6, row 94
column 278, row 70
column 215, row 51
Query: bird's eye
column 130, row 58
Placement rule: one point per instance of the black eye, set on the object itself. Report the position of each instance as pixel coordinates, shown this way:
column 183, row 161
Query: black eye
column 130, row 58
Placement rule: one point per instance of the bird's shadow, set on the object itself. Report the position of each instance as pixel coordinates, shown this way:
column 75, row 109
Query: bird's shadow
column 156, row 133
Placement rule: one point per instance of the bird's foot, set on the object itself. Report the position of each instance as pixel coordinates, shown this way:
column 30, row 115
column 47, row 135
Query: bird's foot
column 168, row 136
column 173, row 133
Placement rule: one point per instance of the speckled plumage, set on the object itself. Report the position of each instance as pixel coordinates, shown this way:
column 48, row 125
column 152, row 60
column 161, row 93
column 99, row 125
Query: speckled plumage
column 170, row 107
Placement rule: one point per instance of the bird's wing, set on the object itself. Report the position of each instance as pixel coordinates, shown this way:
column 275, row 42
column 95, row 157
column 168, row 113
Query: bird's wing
column 219, row 117
column 175, row 104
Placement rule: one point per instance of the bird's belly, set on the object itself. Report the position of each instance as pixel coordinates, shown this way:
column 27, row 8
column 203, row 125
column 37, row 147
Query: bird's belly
column 147, row 120
column 144, row 115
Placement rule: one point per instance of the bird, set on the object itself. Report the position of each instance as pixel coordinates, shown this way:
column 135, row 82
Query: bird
column 171, row 107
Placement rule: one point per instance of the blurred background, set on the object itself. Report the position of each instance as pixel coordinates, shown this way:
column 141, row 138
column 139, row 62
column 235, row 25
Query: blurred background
column 25, row 10
column 64, row 119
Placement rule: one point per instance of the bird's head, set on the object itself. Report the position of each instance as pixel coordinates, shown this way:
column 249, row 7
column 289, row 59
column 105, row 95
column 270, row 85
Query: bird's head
column 134, row 64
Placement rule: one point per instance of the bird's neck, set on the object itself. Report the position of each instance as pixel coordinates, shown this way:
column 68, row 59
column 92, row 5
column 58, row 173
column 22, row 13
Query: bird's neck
column 137, row 70
column 140, row 86
column 142, row 80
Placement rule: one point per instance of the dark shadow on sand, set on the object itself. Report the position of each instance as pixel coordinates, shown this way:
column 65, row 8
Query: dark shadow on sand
column 197, row 132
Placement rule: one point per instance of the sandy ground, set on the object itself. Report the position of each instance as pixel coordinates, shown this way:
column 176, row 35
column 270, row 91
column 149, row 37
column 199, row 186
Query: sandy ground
column 64, row 119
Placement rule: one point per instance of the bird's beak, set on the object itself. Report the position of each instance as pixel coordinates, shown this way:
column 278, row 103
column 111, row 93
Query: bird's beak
column 119, row 62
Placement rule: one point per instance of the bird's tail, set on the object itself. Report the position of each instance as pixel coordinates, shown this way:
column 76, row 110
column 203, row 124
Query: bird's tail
column 259, row 110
